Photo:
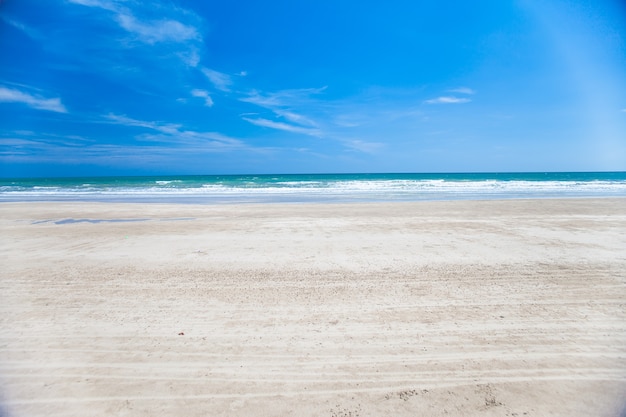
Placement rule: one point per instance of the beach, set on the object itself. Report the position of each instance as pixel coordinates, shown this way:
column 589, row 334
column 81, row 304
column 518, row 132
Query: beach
column 458, row 308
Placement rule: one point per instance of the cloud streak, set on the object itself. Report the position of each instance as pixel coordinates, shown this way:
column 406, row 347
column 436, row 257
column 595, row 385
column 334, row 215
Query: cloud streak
column 153, row 31
column 282, row 103
column 463, row 90
column 103, row 4
column 178, row 32
column 283, row 98
column 149, row 30
column 363, row 146
column 283, row 126
column 448, row 100
column 177, row 135
column 10, row 95
column 156, row 144
column 208, row 101
column 219, row 80
column 296, row 118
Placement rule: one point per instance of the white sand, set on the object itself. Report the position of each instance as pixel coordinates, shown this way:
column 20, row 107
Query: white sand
column 497, row 308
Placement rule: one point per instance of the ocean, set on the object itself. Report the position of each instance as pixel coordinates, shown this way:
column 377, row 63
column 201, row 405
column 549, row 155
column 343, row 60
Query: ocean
column 300, row 188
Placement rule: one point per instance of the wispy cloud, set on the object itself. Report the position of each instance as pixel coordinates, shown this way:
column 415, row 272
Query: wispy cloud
column 177, row 135
column 147, row 30
column 363, row 146
column 462, row 90
column 155, row 144
column 208, row 101
column 453, row 99
column 282, row 98
column 448, row 100
column 282, row 104
column 36, row 102
column 95, row 153
column 296, row 118
column 220, row 80
column 165, row 30
column 103, row 4
column 29, row 31
column 21, row 145
column 167, row 128
column 283, row 126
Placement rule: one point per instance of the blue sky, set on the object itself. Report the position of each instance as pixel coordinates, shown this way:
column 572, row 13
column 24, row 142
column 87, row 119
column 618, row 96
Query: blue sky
column 112, row 87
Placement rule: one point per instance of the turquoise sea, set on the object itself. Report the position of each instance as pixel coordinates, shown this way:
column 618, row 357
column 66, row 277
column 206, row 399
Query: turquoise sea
column 216, row 189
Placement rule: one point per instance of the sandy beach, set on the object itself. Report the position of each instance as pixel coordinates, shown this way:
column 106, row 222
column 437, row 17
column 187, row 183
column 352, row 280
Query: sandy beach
column 457, row 308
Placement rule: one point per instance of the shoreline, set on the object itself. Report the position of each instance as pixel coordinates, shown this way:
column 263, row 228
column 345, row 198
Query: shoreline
column 297, row 200
column 318, row 188
column 485, row 308
column 314, row 203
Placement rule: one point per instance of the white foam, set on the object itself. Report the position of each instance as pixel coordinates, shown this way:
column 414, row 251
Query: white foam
column 389, row 190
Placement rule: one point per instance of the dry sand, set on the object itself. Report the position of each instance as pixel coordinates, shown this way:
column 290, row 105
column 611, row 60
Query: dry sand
column 494, row 308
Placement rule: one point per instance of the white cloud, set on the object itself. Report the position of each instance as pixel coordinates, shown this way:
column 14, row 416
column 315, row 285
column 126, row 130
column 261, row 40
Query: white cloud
column 463, row 90
column 103, row 4
column 153, row 31
column 220, row 80
column 283, row 98
column 17, row 142
column 29, row 31
column 146, row 30
column 362, row 146
column 296, row 118
column 166, row 142
column 174, row 133
column 36, row 102
column 166, row 128
column 283, row 126
column 448, row 100
column 191, row 57
column 281, row 104
column 267, row 101
column 203, row 94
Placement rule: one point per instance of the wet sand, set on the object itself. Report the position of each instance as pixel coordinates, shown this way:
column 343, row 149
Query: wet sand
column 492, row 308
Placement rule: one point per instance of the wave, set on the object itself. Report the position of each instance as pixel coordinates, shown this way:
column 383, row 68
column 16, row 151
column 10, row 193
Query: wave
column 257, row 189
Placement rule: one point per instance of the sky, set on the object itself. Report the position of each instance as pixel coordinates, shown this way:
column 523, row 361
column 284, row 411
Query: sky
column 128, row 87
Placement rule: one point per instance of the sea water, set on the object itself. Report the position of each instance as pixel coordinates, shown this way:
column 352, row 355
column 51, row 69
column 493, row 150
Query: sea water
column 293, row 188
